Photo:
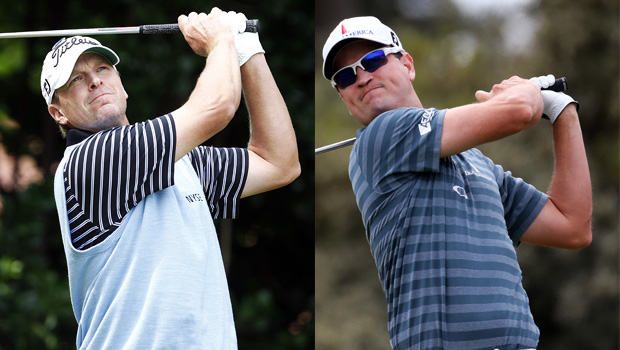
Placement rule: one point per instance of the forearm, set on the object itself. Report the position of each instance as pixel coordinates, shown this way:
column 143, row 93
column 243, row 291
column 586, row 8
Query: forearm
column 219, row 86
column 213, row 102
column 272, row 136
column 570, row 189
column 511, row 107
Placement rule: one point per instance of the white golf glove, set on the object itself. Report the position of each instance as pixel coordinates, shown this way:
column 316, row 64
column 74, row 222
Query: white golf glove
column 554, row 102
column 246, row 43
column 236, row 21
column 544, row 81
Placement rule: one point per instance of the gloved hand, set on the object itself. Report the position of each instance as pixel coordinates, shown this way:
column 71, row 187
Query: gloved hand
column 544, row 81
column 246, row 43
column 554, row 102
column 236, row 21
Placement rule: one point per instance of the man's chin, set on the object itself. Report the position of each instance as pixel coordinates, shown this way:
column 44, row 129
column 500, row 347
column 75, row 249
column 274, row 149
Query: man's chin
column 372, row 114
column 365, row 119
column 108, row 122
column 368, row 112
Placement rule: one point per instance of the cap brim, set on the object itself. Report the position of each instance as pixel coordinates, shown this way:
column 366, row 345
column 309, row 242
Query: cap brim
column 105, row 52
column 328, row 63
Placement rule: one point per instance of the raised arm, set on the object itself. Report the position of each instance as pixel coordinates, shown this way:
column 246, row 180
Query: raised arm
column 565, row 220
column 217, row 94
column 274, row 160
column 512, row 106
column 515, row 105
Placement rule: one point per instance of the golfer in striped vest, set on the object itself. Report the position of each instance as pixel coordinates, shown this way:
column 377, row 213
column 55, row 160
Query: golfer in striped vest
column 136, row 202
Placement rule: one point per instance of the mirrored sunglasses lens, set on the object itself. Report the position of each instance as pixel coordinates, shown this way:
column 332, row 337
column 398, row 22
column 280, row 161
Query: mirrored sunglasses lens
column 374, row 61
column 345, row 78
column 371, row 62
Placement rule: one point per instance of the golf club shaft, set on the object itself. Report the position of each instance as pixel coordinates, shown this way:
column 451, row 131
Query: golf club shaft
column 334, row 146
column 251, row 25
column 561, row 84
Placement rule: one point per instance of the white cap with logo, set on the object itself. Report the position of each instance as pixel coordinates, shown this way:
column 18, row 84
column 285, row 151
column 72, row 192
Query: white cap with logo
column 60, row 61
column 356, row 28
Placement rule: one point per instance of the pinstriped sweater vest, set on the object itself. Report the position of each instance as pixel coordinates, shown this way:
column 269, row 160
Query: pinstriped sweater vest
column 158, row 280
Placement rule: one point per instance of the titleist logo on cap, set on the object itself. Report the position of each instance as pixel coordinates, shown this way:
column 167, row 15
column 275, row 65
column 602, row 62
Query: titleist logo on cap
column 65, row 45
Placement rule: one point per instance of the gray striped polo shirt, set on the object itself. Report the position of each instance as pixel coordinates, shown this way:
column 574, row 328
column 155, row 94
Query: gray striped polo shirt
column 443, row 234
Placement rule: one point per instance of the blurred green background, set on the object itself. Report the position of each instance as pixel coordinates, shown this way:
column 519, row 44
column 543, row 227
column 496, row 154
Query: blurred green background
column 269, row 251
column 459, row 47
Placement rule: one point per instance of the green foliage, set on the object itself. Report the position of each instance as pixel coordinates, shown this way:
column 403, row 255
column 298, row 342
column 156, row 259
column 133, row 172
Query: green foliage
column 11, row 58
column 257, row 316
column 34, row 293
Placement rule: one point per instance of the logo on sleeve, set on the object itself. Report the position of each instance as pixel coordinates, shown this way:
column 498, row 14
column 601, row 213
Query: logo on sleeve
column 425, row 123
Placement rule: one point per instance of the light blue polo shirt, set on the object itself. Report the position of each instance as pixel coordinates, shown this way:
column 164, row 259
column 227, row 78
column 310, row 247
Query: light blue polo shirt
column 144, row 262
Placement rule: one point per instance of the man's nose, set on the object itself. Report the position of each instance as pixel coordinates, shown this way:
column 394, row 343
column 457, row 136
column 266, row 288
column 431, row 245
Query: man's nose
column 362, row 76
column 94, row 81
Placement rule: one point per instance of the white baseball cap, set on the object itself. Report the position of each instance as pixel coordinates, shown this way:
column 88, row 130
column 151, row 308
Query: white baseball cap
column 351, row 29
column 60, row 61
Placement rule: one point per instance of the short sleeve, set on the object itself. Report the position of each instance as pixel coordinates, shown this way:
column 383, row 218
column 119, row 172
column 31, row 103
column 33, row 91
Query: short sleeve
column 222, row 173
column 110, row 172
column 522, row 202
column 398, row 143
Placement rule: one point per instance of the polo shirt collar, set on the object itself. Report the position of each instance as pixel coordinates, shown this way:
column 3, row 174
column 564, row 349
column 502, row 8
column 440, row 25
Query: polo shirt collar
column 75, row 136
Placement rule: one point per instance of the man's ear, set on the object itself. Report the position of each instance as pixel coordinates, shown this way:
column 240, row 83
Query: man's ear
column 56, row 113
column 408, row 63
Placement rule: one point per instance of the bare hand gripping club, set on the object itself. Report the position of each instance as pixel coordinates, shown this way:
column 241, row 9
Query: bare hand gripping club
column 251, row 25
column 561, row 84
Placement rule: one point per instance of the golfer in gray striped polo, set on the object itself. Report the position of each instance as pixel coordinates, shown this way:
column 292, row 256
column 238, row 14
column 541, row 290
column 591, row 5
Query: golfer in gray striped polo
column 443, row 220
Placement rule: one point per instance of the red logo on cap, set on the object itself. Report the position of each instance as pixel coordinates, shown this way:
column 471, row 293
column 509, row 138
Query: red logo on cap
column 344, row 30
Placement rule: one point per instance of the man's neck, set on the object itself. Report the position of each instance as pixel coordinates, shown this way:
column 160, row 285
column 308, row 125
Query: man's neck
column 75, row 136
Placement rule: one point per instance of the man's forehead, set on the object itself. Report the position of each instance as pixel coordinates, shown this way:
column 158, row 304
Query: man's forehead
column 88, row 59
column 354, row 51
column 85, row 62
column 92, row 56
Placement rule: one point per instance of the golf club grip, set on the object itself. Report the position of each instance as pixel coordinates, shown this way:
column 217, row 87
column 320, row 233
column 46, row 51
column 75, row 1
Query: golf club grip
column 561, row 84
column 251, row 25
